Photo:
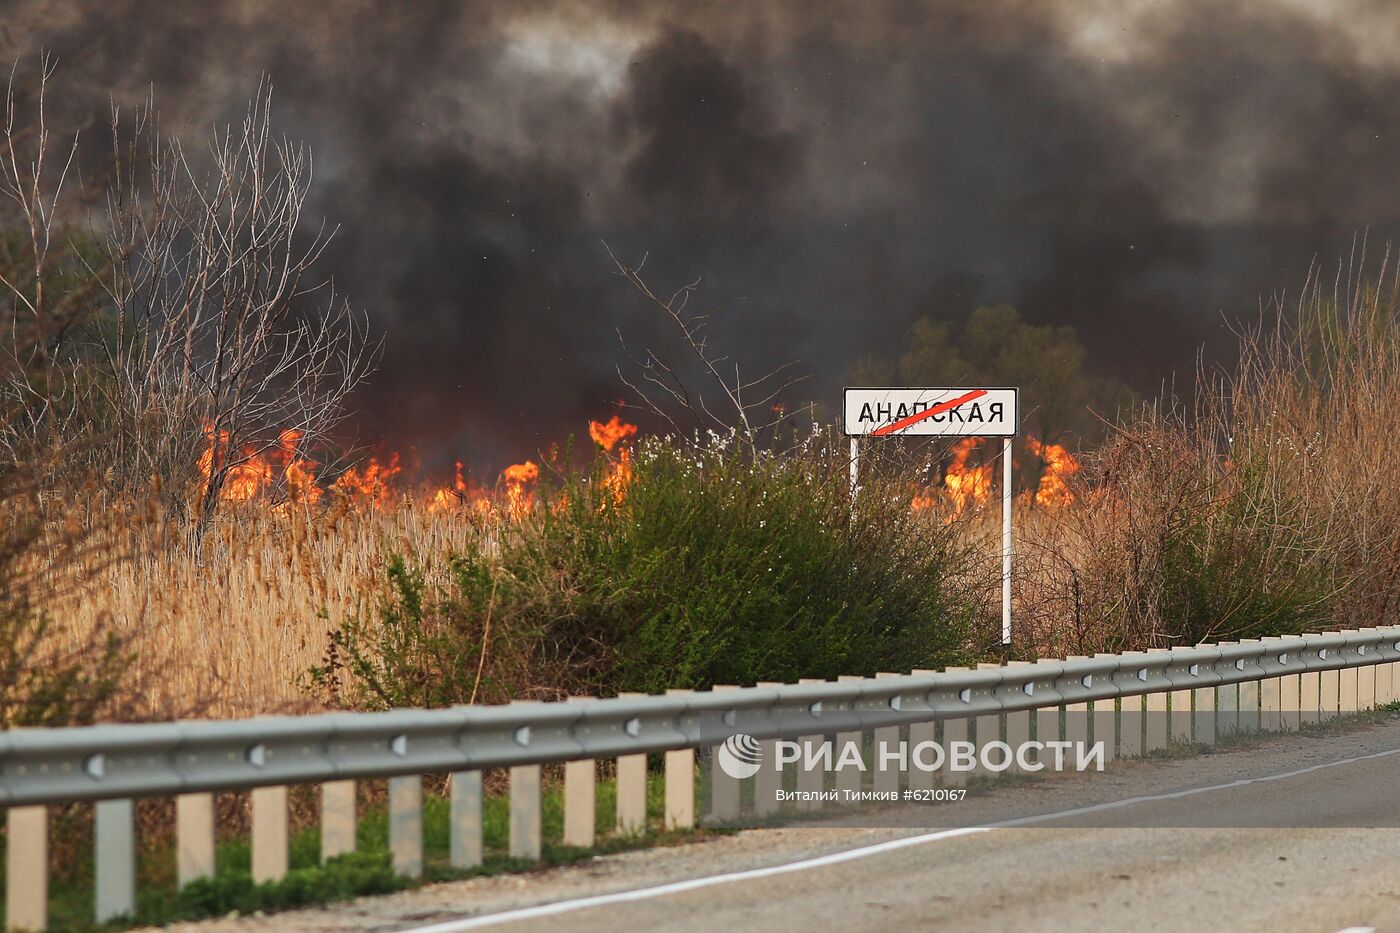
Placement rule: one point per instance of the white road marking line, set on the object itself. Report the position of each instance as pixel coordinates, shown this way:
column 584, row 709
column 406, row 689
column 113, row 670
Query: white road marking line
column 1358, row 930
column 850, row 855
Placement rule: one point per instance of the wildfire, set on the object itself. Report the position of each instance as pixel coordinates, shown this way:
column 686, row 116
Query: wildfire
column 450, row 496
column 519, row 478
column 253, row 472
column 1060, row 464
column 966, row 485
column 298, row 472
column 372, row 483
column 608, row 435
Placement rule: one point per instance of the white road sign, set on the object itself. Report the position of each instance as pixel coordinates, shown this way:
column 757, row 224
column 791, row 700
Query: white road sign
column 941, row 412
column 930, row 412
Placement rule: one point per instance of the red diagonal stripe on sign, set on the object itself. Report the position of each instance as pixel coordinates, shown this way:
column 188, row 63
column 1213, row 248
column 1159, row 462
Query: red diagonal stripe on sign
column 938, row 409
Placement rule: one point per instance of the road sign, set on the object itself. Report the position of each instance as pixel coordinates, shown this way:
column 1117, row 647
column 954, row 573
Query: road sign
column 931, row 412
column 941, row 412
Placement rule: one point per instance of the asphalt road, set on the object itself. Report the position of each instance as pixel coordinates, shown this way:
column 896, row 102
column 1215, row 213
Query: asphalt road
column 1169, row 845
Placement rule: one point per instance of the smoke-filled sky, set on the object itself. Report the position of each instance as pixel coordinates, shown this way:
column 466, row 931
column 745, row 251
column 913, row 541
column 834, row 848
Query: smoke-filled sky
column 831, row 171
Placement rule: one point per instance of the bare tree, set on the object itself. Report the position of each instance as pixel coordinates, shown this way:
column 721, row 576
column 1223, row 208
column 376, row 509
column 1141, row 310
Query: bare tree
column 215, row 336
column 49, row 289
column 754, row 408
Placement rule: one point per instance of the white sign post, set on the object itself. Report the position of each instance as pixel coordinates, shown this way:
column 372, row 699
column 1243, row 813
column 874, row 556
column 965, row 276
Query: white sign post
column 941, row 412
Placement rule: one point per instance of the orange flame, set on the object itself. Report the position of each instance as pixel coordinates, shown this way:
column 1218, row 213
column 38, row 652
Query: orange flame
column 619, row 476
column 965, row 485
column 1060, row 464
column 372, row 483
column 376, row 483
column 607, row 436
column 461, row 492
column 253, row 472
column 518, row 477
column 297, row 472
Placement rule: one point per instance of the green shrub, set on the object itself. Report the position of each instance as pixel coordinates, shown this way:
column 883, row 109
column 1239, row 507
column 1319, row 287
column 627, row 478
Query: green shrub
column 1240, row 568
column 709, row 567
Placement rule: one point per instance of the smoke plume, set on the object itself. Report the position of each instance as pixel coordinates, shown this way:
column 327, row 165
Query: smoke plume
column 833, row 171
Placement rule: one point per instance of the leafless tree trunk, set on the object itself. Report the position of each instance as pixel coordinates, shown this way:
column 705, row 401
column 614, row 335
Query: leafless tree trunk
column 753, row 408
column 215, row 337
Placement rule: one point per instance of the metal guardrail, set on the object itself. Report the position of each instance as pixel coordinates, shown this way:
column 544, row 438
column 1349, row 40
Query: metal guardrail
column 113, row 764
column 118, row 761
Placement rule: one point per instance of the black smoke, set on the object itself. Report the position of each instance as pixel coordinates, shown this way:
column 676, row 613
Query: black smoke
column 832, row 170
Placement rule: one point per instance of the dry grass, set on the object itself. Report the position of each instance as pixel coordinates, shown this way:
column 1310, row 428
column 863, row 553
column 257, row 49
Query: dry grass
column 228, row 633
column 1269, row 503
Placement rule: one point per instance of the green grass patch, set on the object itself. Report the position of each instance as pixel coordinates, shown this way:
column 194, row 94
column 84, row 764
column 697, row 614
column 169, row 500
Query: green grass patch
column 367, row 871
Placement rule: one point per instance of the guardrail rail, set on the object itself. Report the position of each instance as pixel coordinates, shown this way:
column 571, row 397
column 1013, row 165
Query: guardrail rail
column 1206, row 691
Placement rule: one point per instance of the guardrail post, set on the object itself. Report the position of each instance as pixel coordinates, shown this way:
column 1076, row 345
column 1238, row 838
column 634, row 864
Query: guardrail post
column 406, row 824
column 27, row 868
column 525, row 812
column 1077, row 729
column 466, row 842
column 988, row 730
column 887, row 775
column 1309, row 694
column 1130, row 716
column 1249, row 706
column 1249, row 698
column 1329, row 703
column 337, row 819
column 1291, row 691
column 811, row 779
column 269, row 833
column 632, row 789
column 1385, row 683
column 1018, row 728
column 1270, row 704
column 1105, row 719
column 1366, row 683
column 115, row 859
column 769, row 779
column 194, row 837
column 954, row 730
column 724, row 789
column 1346, row 702
column 581, row 799
column 1390, row 678
column 1157, row 728
column 1047, row 722
column 580, row 802
column 1227, row 707
column 850, row 779
column 1180, row 717
column 919, row 734
column 680, row 785
column 1204, row 732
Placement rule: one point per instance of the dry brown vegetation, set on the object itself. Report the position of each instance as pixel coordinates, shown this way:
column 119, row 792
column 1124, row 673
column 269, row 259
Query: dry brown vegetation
column 1271, row 504
column 232, row 629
